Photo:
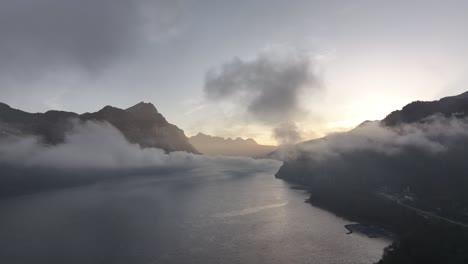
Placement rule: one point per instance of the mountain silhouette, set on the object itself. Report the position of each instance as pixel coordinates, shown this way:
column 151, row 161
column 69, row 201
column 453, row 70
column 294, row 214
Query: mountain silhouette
column 210, row 145
column 140, row 124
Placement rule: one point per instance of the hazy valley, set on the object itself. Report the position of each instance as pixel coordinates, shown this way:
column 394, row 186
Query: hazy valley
column 267, row 132
column 406, row 173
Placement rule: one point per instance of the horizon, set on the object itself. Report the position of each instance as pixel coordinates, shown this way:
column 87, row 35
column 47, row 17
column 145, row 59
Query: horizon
column 270, row 142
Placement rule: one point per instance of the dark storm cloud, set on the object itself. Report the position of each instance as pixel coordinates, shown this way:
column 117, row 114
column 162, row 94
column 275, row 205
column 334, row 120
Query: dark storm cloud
column 36, row 35
column 270, row 87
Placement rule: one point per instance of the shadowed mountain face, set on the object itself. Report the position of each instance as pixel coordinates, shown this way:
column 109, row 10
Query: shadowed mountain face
column 421, row 148
column 141, row 124
column 229, row 147
column 416, row 111
column 452, row 106
column 407, row 172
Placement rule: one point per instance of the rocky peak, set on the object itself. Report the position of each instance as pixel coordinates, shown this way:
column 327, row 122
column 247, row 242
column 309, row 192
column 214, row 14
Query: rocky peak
column 201, row 135
column 143, row 108
column 146, row 112
column 108, row 108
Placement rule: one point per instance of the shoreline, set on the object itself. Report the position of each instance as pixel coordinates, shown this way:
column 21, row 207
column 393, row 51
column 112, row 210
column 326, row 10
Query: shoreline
column 370, row 230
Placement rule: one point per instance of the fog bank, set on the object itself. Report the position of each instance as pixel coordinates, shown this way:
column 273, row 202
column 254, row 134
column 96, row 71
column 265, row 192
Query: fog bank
column 94, row 151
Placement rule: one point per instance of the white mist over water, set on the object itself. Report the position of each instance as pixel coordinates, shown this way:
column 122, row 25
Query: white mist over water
column 94, row 145
column 184, row 208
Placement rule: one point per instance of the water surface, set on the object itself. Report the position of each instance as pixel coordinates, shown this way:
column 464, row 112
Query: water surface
column 232, row 216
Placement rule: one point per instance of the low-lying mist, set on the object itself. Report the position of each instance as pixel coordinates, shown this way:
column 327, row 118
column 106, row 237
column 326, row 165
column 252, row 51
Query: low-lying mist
column 428, row 157
column 94, row 151
column 434, row 136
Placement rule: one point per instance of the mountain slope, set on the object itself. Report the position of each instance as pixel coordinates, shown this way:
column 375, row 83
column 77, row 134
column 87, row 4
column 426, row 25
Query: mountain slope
column 416, row 111
column 141, row 124
column 416, row 146
column 407, row 172
column 229, row 147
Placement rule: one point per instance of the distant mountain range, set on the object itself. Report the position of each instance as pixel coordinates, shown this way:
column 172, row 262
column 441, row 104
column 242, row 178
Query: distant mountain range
column 210, row 145
column 141, row 124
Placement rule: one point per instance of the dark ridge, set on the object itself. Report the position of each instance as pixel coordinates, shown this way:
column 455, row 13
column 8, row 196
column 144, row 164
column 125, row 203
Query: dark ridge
column 419, row 195
column 143, row 107
column 416, row 111
column 140, row 124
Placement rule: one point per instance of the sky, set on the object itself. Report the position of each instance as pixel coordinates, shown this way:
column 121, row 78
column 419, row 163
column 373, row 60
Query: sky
column 276, row 71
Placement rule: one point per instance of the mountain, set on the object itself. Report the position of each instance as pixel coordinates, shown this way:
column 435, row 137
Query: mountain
column 452, row 106
column 141, row 124
column 417, row 111
column 422, row 146
column 407, row 172
column 210, row 145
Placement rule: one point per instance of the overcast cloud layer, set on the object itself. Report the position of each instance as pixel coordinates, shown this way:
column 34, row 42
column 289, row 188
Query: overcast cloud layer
column 37, row 36
column 81, row 55
column 51, row 33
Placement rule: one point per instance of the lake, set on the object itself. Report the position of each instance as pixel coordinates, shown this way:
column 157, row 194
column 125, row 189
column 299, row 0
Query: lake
column 233, row 215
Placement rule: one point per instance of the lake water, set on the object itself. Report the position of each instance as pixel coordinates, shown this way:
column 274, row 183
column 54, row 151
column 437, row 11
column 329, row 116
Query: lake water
column 231, row 216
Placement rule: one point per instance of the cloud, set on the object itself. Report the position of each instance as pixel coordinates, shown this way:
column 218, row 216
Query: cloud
column 44, row 35
column 286, row 133
column 268, row 88
column 92, row 145
column 429, row 157
column 94, row 151
column 433, row 136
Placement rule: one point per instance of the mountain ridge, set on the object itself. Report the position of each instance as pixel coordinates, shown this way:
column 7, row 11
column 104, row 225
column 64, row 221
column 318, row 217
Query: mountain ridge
column 214, row 145
column 140, row 124
column 418, row 110
column 372, row 174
